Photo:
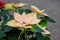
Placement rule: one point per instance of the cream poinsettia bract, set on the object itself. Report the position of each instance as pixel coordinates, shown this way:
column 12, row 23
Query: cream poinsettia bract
column 44, row 29
column 24, row 20
column 20, row 4
column 37, row 10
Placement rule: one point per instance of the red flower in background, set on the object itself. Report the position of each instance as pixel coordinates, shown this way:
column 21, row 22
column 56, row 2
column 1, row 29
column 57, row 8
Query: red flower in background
column 2, row 4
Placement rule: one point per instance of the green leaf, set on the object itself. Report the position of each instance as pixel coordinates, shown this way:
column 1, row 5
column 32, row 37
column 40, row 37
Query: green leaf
column 21, row 11
column 5, row 18
column 12, row 37
column 36, row 28
column 49, row 19
column 47, row 38
column 10, row 16
column 3, row 12
column 5, row 21
column 7, row 29
column 43, row 23
column 24, row 10
column 39, row 36
column 2, row 34
column 28, row 11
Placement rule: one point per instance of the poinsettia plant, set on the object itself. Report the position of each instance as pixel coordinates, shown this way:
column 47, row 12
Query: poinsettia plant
column 19, row 23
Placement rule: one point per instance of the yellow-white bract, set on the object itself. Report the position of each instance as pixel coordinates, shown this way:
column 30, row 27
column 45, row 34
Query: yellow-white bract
column 44, row 29
column 20, row 4
column 9, row 6
column 24, row 20
column 36, row 10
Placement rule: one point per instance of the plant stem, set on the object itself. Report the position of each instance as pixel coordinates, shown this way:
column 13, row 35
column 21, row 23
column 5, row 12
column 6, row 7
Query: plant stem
column 19, row 37
column 26, row 38
column 20, row 34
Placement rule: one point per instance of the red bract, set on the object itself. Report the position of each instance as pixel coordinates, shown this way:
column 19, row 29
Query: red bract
column 2, row 4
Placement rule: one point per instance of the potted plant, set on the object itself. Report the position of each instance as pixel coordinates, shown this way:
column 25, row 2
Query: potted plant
column 19, row 23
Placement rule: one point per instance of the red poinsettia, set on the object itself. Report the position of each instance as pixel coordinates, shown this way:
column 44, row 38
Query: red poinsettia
column 2, row 4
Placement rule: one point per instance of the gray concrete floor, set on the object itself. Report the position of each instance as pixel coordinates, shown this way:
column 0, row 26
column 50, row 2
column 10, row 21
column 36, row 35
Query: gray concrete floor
column 52, row 8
